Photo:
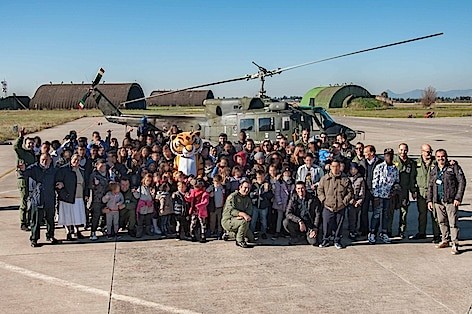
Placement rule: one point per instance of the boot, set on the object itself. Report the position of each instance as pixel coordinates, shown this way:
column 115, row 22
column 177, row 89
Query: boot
column 148, row 231
column 139, row 231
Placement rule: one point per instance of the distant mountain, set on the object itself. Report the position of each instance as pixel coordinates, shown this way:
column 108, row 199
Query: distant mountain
column 416, row 94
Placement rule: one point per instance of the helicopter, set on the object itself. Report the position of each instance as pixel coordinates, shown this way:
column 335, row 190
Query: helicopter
column 259, row 117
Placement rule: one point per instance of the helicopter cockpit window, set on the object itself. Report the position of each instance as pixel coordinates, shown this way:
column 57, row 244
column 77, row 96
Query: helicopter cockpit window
column 326, row 119
column 266, row 124
column 246, row 124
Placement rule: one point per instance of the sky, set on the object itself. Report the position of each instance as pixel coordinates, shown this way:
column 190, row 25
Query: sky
column 175, row 44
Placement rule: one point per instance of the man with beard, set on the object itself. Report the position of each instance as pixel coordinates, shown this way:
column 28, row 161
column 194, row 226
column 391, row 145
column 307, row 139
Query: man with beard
column 445, row 192
column 407, row 169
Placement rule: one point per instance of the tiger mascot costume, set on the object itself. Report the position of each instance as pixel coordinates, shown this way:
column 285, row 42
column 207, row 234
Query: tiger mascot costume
column 186, row 146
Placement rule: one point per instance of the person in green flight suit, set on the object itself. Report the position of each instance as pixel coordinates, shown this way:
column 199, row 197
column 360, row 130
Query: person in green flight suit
column 407, row 169
column 237, row 214
column 424, row 164
column 24, row 156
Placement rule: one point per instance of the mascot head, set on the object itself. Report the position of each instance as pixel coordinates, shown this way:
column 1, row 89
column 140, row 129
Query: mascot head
column 186, row 144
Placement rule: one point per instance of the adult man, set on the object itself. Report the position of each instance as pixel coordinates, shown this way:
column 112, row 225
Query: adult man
column 304, row 139
column 445, row 192
column 237, row 214
column 98, row 184
column 302, row 216
column 385, row 181
column 222, row 139
column 239, row 145
column 24, row 156
column 42, row 197
column 128, row 214
column 335, row 192
column 367, row 166
column 424, row 164
column 359, row 153
column 407, row 170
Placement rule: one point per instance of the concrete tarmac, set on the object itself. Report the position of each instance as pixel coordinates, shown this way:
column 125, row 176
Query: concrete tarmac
column 165, row 276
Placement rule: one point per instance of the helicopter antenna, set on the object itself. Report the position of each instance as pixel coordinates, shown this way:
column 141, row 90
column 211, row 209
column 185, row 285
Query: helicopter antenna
column 263, row 72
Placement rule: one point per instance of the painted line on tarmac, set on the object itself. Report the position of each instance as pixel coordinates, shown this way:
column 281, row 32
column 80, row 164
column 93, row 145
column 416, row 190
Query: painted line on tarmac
column 5, row 192
column 7, row 173
column 91, row 290
column 410, row 283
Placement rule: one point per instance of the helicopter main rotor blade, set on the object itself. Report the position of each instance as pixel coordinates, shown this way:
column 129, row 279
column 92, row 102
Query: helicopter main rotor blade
column 280, row 70
column 265, row 73
column 242, row 78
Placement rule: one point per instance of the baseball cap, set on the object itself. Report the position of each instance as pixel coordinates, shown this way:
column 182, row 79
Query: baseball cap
column 388, row 151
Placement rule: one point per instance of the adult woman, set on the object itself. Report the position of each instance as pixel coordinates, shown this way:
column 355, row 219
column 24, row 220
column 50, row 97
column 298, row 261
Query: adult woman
column 297, row 158
column 71, row 185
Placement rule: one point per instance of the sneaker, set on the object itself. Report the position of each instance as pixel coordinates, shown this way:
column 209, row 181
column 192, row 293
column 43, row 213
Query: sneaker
column 275, row 236
column 264, row 236
column 109, row 238
column 225, row 237
column 442, row 245
column 338, row 245
column 325, row 243
column 455, row 249
column 417, row 236
column 352, row 236
column 24, row 227
column 436, row 240
column 401, row 235
column 34, row 243
column 371, row 238
column 384, row 238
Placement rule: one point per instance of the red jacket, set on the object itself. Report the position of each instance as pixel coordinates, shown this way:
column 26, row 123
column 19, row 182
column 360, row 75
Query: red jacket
column 198, row 200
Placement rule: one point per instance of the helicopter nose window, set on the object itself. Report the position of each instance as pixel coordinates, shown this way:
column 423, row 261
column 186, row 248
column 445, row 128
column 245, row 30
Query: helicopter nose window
column 266, row 124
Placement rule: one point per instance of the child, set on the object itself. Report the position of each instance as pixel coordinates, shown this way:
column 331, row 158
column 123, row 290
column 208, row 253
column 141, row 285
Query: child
column 358, row 185
column 144, row 194
column 115, row 201
column 180, row 210
column 198, row 199
column 217, row 201
column 285, row 190
column 261, row 195
column 164, row 204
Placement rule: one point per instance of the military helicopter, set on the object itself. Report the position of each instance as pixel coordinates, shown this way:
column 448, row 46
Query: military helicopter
column 260, row 117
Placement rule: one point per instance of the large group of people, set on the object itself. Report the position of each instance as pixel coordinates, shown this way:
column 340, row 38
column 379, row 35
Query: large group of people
column 303, row 188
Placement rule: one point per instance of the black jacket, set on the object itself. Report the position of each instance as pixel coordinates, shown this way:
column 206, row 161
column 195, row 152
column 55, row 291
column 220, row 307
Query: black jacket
column 453, row 182
column 259, row 196
column 307, row 210
column 368, row 175
column 67, row 176
column 47, row 179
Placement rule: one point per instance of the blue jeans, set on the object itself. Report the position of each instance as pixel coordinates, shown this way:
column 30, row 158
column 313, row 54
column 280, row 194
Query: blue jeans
column 256, row 214
column 380, row 210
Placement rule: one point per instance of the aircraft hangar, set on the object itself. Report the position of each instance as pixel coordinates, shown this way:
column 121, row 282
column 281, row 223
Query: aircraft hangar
column 67, row 96
column 334, row 96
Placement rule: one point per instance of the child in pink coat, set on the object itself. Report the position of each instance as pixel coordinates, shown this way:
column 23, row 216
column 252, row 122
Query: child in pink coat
column 198, row 198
